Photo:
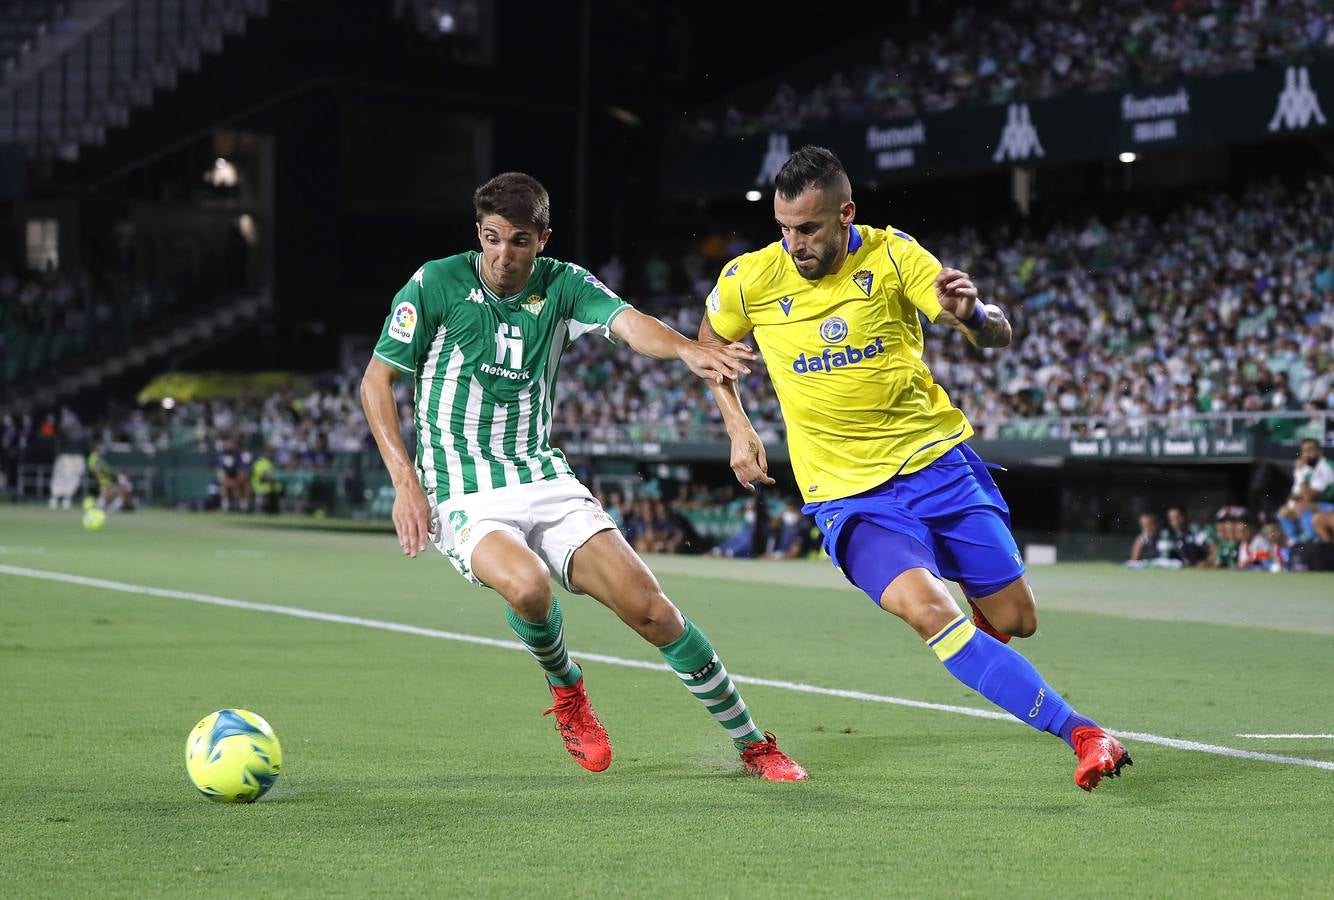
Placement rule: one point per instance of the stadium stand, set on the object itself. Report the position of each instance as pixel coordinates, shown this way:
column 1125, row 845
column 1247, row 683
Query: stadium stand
column 1033, row 49
column 75, row 69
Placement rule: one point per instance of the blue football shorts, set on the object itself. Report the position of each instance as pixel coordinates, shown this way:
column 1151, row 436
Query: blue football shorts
column 948, row 518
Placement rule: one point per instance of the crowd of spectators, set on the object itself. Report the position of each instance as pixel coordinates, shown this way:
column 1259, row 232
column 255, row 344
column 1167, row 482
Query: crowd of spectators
column 720, row 520
column 1226, row 304
column 304, row 426
column 1295, row 537
column 1033, row 49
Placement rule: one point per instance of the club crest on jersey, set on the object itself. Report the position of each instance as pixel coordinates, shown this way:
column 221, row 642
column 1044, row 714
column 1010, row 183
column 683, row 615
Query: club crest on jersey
column 786, row 303
column 833, row 330
column 534, row 304
column 863, row 279
column 403, row 323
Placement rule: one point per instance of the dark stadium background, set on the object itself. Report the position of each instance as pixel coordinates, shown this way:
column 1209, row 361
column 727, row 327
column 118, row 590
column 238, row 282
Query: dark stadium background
column 359, row 134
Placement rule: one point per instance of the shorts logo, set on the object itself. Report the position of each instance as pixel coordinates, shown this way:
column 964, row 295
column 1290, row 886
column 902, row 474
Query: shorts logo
column 833, row 330
column 863, row 280
column 714, row 301
column 403, row 323
column 457, row 519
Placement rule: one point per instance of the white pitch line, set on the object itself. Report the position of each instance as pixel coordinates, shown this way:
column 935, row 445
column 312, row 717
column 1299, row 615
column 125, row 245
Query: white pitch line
column 1299, row 737
column 301, row 613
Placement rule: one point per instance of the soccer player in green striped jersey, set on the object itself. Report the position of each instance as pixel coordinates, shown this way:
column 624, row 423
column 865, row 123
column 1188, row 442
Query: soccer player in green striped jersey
column 482, row 334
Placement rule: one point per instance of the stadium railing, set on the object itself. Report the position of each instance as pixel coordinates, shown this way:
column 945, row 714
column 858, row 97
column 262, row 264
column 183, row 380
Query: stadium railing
column 1278, row 425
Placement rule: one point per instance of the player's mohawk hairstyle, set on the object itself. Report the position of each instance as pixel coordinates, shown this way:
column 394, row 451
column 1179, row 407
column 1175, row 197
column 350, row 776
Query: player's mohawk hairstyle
column 810, row 167
column 516, row 197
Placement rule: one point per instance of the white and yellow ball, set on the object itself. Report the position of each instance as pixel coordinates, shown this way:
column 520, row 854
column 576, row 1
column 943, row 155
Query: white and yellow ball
column 94, row 518
column 233, row 756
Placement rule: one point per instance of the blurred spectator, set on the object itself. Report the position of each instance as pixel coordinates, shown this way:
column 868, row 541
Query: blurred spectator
column 1188, row 543
column 1145, row 547
column 741, row 545
column 265, row 486
column 793, row 534
column 234, row 477
column 1312, row 492
column 1265, row 549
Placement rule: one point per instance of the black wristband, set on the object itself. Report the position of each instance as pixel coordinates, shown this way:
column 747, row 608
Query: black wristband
column 978, row 318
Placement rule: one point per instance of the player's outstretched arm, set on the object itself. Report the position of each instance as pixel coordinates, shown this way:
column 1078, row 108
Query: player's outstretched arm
column 749, row 462
column 412, row 514
column 651, row 337
column 982, row 323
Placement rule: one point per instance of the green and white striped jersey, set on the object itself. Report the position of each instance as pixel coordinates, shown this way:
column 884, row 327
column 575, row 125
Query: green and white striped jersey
column 486, row 367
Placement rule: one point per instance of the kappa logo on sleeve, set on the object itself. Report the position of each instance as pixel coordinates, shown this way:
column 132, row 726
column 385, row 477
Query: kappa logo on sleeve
column 403, row 323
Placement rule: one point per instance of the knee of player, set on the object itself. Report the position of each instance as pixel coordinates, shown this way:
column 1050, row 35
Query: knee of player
column 530, row 598
column 1026, row 625
column 657, row 618
column 923, row 604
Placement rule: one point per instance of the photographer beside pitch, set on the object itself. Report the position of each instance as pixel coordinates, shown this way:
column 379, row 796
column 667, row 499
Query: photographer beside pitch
column 876, row 445
column 482, row 335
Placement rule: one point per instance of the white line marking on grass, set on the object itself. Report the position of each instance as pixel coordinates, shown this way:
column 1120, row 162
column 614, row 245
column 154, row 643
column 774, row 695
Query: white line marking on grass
column 1299, row 737
column 301, row 613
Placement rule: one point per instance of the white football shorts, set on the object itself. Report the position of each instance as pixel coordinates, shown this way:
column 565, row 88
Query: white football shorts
column 554, row 518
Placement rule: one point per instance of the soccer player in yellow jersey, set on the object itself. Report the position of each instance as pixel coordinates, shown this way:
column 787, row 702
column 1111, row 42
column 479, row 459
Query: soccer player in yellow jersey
column 876, row 445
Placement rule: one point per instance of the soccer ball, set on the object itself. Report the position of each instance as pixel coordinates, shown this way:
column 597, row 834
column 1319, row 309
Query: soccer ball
column 233, row 756
column 94, row 517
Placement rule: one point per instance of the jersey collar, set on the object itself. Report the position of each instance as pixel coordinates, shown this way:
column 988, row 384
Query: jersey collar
column 854, row 239
column 486, row 288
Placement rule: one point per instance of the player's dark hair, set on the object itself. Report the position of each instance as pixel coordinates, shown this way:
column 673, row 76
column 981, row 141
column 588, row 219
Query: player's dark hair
column 515, row 197
column 810, row 167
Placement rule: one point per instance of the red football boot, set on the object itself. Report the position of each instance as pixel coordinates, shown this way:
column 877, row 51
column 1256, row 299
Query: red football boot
column 584, row 737
column 763, row 758
column 983, row 625
column 1100, row 755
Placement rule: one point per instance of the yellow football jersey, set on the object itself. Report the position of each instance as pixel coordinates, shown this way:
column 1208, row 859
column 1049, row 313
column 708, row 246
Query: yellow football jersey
column 845, row 356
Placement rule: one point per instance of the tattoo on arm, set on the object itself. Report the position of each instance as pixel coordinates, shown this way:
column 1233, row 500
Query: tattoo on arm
column 995, row 333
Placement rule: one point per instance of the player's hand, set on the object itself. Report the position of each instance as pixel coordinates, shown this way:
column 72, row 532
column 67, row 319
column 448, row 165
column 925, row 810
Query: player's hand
column 749, row 462
column 718, row 362
column 956, row 292
column 412, row 518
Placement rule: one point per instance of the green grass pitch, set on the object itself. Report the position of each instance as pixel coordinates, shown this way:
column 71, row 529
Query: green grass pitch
column 422, row 766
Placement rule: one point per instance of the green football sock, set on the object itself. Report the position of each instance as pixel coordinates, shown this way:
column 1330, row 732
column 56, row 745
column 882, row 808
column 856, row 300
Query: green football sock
column 546, row 641
column 691, row 656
